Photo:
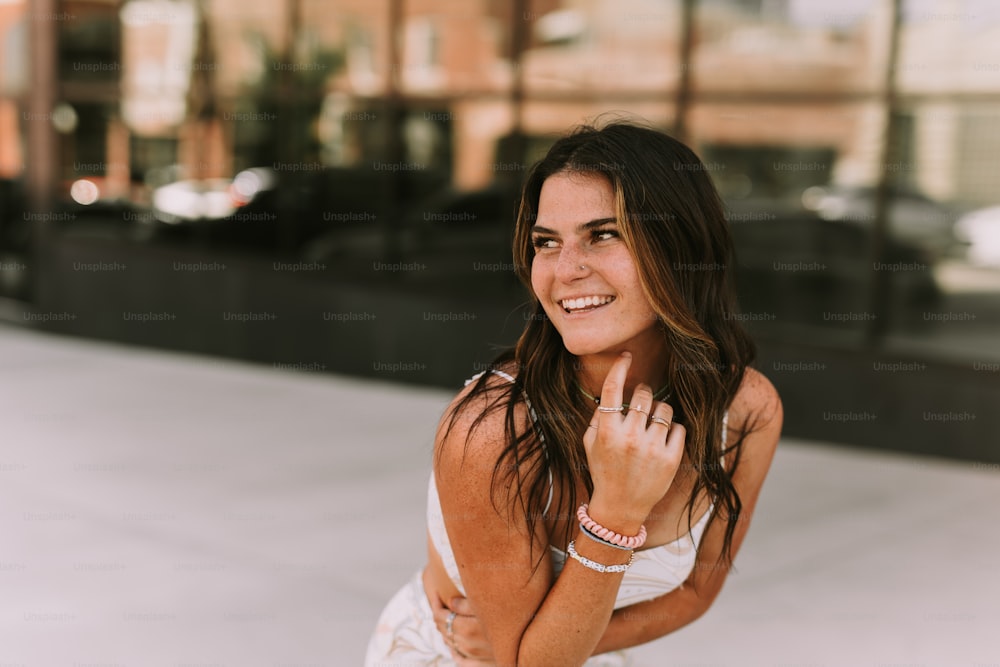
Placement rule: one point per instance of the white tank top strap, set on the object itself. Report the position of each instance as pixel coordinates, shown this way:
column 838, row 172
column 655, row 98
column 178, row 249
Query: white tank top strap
column 506, row 376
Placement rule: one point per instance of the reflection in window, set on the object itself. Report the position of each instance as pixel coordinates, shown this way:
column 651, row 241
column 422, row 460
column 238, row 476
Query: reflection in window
column 88, row 44
column 602, row 47
column 784, row 99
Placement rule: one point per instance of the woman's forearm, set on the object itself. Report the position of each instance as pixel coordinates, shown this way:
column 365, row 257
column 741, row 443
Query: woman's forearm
column 643, row 622
column 575, row 613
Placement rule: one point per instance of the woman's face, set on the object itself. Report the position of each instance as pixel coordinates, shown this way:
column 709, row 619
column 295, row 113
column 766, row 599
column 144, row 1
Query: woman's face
column 583, row 274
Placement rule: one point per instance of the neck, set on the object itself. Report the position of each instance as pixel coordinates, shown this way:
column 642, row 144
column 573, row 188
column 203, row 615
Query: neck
column 647, row 367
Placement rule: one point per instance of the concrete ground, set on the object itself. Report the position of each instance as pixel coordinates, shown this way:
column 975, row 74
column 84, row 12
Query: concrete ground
column 158, row 509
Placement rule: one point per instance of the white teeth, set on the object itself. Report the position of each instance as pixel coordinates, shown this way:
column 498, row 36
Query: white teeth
column 586, row 302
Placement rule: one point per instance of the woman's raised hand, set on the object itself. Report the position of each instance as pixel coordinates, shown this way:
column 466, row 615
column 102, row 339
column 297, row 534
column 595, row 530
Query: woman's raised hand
column 632, row 456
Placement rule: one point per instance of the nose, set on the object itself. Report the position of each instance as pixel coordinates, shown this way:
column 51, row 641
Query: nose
column 572, row 263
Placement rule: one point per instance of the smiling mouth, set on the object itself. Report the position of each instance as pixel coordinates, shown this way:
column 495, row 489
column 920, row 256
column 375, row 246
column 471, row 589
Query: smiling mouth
column 585, row 304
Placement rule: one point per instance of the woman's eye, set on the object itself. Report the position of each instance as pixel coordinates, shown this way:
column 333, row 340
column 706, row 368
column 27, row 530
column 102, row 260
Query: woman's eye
column 605, row 235
column 541, row 242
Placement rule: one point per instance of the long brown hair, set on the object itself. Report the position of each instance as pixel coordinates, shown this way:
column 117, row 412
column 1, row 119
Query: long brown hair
column 672, row 220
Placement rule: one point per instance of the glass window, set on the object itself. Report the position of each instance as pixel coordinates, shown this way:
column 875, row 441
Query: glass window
column 555, row 117
column 15, row 232
column 244, row 44
column 348, row 43
column 603, row 47
column 88, row 41
column 13, row 83
column 790, row 115
column 948, row 207
column 803, row 255
column 340, row 125
column 948, row 47
column 452, row 46
column 945, row 142
column 791, row 47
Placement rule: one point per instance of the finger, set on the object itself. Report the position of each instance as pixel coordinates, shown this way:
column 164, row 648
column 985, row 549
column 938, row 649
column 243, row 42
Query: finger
column 440, row 612
column 641, row 404
column 461, row 657
column 661, row 416
column 464, row 661
column 461, row 606
column 590, row 433
column 614, row 383
column 675, row 439
column 440, row 615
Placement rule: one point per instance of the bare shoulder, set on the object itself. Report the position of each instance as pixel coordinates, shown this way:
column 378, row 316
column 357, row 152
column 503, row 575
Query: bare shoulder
column 756, row 403
column 756, row 414
column 472, row 432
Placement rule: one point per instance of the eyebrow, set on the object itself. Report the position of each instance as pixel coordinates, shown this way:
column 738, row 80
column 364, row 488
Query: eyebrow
column 586, row 226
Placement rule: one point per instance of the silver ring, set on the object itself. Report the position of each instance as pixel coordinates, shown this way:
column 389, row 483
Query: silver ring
column 638, row 409
column 450, row 630
column 660, row 420
column 603, row 408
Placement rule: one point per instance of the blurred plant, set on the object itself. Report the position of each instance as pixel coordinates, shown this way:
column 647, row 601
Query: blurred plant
column 279, row 111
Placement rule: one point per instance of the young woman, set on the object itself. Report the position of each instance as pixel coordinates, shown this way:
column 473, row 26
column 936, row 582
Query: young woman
column 590, row 491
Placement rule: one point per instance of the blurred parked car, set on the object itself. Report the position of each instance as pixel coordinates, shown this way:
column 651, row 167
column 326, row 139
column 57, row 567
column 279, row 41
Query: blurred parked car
column 89, row 207
column 193, row 200
column 799, row 268
column 237, row 213
column 980, row 230
column 210, row 199
column 458, row 232
column 914, row 219
column 287, row 210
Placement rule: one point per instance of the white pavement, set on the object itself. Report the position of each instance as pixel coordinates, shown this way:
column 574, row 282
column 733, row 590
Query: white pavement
column 160, row 509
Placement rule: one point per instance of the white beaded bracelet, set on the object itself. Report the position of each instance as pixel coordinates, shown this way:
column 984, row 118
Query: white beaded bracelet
column 593, row 565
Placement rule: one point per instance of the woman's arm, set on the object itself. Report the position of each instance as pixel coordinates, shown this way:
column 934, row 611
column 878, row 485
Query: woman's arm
column 756, row 405
column 528, row 619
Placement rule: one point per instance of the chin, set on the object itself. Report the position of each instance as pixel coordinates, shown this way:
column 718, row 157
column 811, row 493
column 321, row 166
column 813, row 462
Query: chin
column 582, row 348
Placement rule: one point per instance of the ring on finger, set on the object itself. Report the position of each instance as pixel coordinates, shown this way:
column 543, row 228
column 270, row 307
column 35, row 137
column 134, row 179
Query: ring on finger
column 608, row 408
column 638, row 408
column 448, row 627
column 660, row 420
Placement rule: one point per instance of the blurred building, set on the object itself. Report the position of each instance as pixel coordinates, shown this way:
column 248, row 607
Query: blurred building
column 354, row 158
column 164, row 82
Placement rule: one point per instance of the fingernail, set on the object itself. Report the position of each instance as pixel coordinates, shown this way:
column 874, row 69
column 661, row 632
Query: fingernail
column 627, row 355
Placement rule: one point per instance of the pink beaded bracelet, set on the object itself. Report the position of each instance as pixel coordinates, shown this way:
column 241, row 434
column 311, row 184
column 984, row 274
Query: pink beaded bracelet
column 610, row 536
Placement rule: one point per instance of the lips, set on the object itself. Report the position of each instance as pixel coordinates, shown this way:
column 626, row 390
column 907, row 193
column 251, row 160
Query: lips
column 585, row 303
